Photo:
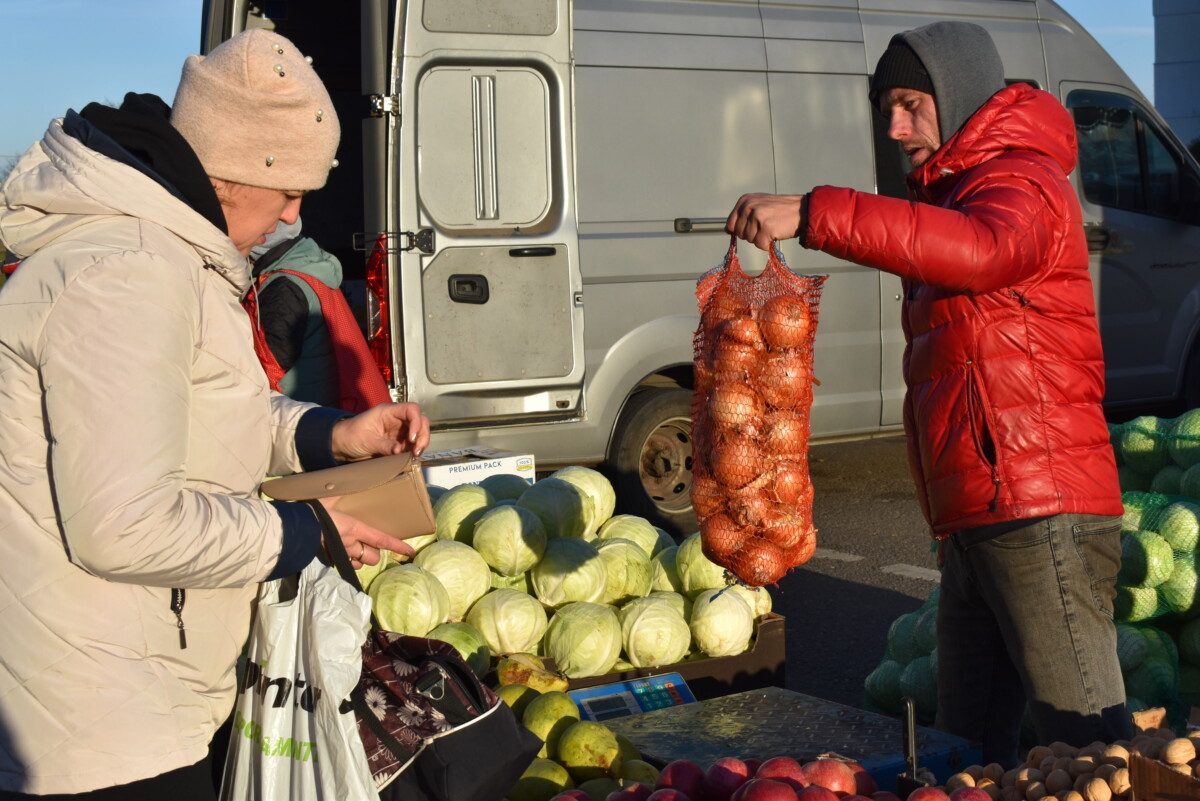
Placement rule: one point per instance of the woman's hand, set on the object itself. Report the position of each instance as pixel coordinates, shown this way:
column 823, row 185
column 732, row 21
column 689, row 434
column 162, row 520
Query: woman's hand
column 762, row 219
column 364, row 544
column 386, row 429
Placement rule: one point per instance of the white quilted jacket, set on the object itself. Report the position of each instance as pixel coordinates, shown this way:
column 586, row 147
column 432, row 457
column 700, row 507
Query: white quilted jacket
column 135, row 427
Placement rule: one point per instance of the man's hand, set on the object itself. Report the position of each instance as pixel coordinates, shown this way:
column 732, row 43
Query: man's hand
column 763, row 219
column 382, row 431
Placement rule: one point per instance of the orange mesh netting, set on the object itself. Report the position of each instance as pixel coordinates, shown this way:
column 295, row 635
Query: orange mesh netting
column 750, row 417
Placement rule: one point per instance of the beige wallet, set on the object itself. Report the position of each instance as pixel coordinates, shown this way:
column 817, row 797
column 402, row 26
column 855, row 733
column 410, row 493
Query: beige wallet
column 387, row 492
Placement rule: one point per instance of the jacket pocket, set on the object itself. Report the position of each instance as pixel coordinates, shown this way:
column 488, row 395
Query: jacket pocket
column 979, row 417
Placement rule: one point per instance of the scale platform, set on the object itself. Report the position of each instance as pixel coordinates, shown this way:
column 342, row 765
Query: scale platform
column 775, row 722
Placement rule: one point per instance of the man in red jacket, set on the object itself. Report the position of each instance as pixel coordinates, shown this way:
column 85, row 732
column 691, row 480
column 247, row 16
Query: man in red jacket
column 1008, row 444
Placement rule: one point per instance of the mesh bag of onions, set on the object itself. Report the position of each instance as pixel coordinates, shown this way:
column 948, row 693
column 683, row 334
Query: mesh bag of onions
column 750, row 417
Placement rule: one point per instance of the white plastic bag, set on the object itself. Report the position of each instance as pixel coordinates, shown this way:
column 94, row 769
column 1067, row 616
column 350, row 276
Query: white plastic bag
column 291, row 739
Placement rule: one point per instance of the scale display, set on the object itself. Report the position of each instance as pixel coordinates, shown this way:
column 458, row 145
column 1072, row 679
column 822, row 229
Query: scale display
column 632, row 697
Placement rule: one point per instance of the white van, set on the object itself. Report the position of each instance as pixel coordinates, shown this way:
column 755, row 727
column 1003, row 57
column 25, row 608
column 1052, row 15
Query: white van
column 530, row 189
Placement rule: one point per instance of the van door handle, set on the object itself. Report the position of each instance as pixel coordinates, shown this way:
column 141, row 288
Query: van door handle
column 1098, row 236
column 469, row 288
column 525, row 253
column 700, row 225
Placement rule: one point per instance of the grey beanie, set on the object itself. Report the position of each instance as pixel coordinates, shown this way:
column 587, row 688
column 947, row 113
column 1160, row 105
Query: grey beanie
column 963, row 64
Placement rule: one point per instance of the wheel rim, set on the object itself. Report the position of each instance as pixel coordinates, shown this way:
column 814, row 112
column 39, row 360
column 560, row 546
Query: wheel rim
column 666, row 465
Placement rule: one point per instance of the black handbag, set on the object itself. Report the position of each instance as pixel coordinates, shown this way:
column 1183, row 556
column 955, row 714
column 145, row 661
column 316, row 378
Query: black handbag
column 431, row 729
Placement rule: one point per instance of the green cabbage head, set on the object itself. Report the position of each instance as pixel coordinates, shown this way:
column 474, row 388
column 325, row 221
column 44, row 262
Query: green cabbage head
column 409, row 600
column 511, row 539
column 510, row 621
column 468, row 642
column 722, row 622
column 696, row 572
column 654, row 632
column 627, row 568
column 456, row 511
column 633, row 528
column 584, row 639
column 595, row 486
column 666, row 574
column 570, row 570
column 461, row 570
column 565, row 509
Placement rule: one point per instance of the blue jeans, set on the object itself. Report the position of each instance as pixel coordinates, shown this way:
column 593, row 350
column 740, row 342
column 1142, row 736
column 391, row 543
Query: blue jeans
column 1026, row 616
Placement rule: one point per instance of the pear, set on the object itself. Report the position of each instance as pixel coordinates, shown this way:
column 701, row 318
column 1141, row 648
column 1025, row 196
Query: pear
column 528, row 669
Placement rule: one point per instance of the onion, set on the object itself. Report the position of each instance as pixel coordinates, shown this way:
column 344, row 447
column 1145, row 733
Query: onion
column 719, row 538
column 745, row 331
column 784, row 527
column 790, row 483
column 735, row 405
column 785, row 321
column 749, row 507
column 736, row 460
column 759, row 562
column 787, row 435
column 708, row 498
column 784, row 379
column 736, row 361
column 803, row 551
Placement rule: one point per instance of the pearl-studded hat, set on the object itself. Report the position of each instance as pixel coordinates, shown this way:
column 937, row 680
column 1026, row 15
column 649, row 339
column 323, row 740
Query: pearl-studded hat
column 256, row 113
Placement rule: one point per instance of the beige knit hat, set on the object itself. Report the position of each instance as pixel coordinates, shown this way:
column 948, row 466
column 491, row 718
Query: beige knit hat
column 256, row 113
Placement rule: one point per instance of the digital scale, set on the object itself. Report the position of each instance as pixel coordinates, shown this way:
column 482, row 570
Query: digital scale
column 632, row 697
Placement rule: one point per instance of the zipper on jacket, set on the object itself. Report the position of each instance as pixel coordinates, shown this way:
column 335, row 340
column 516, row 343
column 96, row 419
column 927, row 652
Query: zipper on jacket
column 177, row 598
column 981, row 428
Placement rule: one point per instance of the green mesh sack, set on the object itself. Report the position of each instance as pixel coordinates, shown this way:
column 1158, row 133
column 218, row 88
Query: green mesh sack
column 1142, row 444
column 1183, row 439
column 1177, row 522
column 919, row 681
column 1146, row 559
column 1137, row 505
column 882, row 686
column 1155, row 682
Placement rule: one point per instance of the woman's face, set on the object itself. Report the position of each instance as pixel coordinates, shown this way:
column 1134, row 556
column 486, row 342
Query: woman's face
column 252, row 212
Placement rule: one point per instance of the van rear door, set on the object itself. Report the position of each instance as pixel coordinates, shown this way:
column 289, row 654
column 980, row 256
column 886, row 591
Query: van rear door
column 481, row 171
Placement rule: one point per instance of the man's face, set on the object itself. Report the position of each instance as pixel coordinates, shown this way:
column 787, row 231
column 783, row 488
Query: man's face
column 912, row 121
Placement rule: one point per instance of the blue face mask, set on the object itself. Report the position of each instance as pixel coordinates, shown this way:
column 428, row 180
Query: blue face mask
column 282, row 233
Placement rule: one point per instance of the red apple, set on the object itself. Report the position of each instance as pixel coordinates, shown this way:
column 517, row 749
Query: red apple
column 668, row 794
column 885, row 795
column 832, row 774
column 764, row 790
column 864, row 783
column 723, row 777
column 633, row 791
column 783, row 769
column 572, row 795
column 815, row 792
column 928, row 794
column 856, row 797
column 683, row 775
column 970, row 794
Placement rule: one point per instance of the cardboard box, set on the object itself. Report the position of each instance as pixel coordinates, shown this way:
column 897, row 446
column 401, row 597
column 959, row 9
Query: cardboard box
column 448, row 469
column 761, row 666
column 1151, row 780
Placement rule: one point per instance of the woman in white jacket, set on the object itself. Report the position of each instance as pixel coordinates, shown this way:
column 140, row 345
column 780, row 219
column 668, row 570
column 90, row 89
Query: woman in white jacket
column 136, row 423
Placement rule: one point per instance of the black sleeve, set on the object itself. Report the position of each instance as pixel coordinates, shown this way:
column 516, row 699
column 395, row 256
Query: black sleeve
column 283, row 313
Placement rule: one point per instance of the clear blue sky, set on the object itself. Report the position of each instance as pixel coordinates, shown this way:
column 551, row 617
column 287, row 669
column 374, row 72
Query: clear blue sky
column 61, row 54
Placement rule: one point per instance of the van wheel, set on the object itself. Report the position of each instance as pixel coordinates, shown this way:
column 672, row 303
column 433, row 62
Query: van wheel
column 650, row 463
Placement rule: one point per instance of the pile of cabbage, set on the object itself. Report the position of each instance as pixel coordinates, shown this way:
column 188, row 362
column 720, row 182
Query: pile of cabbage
column 547, row 568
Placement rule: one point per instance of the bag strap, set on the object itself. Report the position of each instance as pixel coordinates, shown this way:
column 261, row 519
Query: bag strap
column 261, row 349
column 341, row 561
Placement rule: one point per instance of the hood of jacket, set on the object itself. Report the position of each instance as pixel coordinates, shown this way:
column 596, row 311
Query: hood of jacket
column 61, row 185
column 1017, row 118
column 302, row 255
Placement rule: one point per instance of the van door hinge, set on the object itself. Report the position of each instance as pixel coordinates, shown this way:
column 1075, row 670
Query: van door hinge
column 382, row 105
column 421, row 240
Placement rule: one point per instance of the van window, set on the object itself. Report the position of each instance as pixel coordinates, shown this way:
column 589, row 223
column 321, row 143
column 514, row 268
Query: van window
column 1125, row 161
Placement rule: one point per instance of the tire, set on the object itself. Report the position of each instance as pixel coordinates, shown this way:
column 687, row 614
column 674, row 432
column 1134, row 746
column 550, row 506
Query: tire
column 650, row 461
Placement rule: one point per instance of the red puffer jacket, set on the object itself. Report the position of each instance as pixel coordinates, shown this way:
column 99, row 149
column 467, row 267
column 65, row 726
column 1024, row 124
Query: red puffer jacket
column 1004, row 365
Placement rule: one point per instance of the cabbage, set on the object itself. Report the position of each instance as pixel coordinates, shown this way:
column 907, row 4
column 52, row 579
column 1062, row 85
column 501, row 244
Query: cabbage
column 468, row 642
column 696, row 572
column 509, row 620
column 570, row 570
column 757, row 598
column 595, row 486
column 523, row 582
column 460, row 569
column 409, row 600
column 583, row 639
column 666, row 576
column 722, row 623
column 565, row 509
column 633, row 528
column 680, row 601
column 654, row 632
column 627, row 568
column 665, row 541
column 504, row 486
column 457, row 510
column 510, row 539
